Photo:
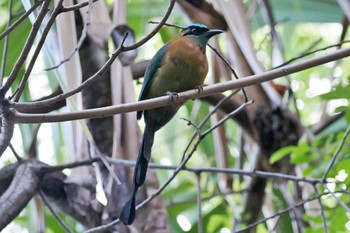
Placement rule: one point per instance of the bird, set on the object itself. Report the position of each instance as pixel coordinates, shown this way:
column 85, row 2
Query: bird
column 179, row 65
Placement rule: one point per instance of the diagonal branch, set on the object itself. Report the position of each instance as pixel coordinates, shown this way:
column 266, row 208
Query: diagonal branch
column 20, row 20
column 25, row 51
column 282, row 212
column 336, row 153
column 164, row 100
column 22, row 188
column 40, row 44
column 53, row 212
column 81, row 39
column 77, row 6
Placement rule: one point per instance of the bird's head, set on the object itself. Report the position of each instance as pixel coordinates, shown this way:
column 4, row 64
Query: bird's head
column 200, row 33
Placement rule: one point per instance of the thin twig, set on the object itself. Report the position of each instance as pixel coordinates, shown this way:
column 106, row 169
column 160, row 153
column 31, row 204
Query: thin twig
column 312, row 45
column 199, row 203
column 167, row 24
column 110, row 170
column 280, row 213
column 26, row 49
column 40, row 44
column 56, row 168
column 81, row 39
column 336, row 153
column 228, row 116
column 206, row 198
column 207, row 117
column 53, row 212
column 76, row 6
column 21, row 19
column 15, row 153
column 128, row 163
column 323, row 216
column 6, row 44
column 230, row 67
column 310, row 53
column 346, row 208
column 275, row 39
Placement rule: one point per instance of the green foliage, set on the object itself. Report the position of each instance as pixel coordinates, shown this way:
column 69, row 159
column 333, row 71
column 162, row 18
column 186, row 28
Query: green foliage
column 341, row 92
column 17, row 38
column 317, row 154
column 301, row 11
column 281, row 153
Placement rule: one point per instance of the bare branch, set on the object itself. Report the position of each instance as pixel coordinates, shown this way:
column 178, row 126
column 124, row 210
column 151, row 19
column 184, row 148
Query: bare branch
column 22, row 188
column 25, row 51
column 163, row 101
column 280, row 213
column 206, row 198
column 336, row 153
column 128, row 163
column 223, row 120
column 82, row 36
column 40, row 44
column 324, row 220
column 76, row 6
column 6, row 44
column 199, row 202
column 227, row 63
column 311, row 52
column 15, row 153
column 53, row 212
column 20, row 20
column 340, row 202
column 167, row 24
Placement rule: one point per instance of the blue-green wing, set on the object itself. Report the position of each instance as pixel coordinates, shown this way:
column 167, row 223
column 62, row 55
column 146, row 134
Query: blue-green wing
column 149, row 74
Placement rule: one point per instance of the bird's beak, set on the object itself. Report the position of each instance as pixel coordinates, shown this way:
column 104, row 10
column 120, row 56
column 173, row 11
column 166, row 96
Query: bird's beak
column 212, row 33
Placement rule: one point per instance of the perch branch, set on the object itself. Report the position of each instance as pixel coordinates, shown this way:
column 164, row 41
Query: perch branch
column 183, row 96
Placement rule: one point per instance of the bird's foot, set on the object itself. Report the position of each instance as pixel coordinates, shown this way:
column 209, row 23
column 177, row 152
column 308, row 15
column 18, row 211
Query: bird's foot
column 199, row 88
column 172, row 95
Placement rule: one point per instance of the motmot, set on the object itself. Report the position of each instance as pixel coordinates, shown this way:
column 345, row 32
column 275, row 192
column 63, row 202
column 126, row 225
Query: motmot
column 179, row 65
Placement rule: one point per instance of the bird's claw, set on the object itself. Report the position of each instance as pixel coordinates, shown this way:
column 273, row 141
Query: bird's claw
column 172, row 95
column 199, row 88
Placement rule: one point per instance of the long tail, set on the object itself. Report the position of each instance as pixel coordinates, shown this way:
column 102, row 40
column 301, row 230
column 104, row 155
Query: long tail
column 127, row 215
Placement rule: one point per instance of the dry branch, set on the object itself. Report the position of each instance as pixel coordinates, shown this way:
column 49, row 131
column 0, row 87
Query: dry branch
column 183, row 96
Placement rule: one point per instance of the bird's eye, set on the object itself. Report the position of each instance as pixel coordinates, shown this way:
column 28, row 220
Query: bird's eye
column 194, row 30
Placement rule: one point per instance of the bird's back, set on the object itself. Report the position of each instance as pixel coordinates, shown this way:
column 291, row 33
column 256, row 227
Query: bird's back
column 184, row 67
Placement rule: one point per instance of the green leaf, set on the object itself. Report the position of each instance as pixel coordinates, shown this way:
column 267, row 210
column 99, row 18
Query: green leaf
column 347, row 115
column 17, row 38
column 301, row 154
column 281, row 153
column 307, row 171
column 338, row 220
column 343, row 165
column 314, row 230
column 340, row 92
